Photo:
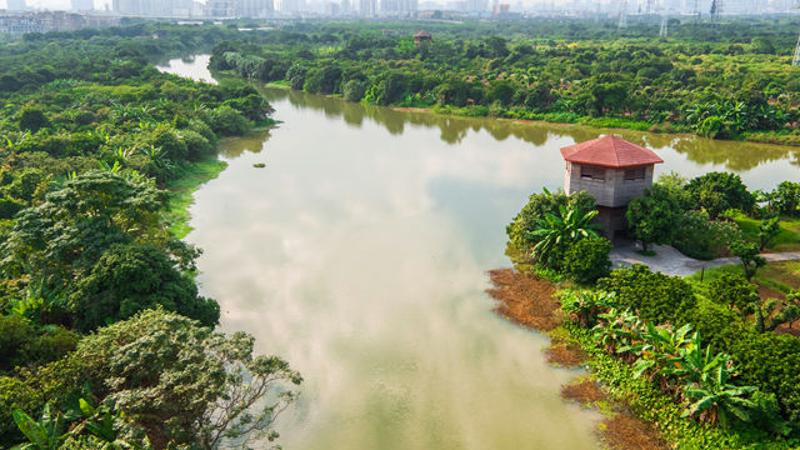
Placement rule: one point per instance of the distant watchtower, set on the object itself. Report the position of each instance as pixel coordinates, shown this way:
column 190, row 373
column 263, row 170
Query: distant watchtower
column 422, row 37
column 613, row 171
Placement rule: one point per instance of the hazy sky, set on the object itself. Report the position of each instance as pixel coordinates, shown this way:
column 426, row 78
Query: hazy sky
column 54, row 4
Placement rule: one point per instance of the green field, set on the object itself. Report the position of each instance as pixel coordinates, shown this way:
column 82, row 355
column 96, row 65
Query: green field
column 787, row 240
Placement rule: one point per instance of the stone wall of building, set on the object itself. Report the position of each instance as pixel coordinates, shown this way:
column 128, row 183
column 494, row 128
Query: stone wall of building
column 613, row 191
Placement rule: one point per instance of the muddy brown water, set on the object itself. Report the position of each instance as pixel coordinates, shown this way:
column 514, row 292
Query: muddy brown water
column 359, row 254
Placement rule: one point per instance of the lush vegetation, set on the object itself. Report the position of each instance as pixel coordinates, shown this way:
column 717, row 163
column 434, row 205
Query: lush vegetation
column 554, row 234
column 711, row 361
column 715, row 215
column 728, row 81
column 105, row 341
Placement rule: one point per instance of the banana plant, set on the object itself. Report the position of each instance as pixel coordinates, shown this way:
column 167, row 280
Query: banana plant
column 696, row 364
column 661, row 348
column 715, row 400
column 99, row 422
column 618, row 330
column 45, row 434
column 569, row 225
column 585, row 307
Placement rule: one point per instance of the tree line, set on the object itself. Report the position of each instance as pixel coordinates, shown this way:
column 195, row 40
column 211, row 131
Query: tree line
column 730, row 81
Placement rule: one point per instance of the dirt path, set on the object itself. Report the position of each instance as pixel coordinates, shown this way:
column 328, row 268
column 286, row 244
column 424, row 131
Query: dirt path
column 670, row 261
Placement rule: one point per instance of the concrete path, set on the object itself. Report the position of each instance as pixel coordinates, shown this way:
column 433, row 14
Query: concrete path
column 672, row 262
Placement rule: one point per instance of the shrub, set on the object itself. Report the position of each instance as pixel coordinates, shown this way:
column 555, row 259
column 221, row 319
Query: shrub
column 520, row 241
column 718, row 325
column 354, row 90
column 167, row 139
column 657, row 297
column 226, row 121
column 131, row 278
column 786, row 198
column 587, row 260
column 197, row 146
column 733, row 290
column 15, row 332
column 32, row 118
column 22, row 343
column 772, row 363
column 716, row 192
column 652, row 217
column 14, row 394
column 701, row 238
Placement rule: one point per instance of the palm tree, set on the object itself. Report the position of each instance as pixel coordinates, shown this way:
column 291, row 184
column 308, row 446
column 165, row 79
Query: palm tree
column 553, row 231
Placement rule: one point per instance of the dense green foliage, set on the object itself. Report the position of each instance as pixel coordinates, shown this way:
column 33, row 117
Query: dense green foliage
column 654, row 296
column 556, row 233
column 717, row 192
column 730, row 318
column 91, row 134
column 714, row 215
column 522, row 235
column 653, row 216
column 725, row 81
column 587, row 259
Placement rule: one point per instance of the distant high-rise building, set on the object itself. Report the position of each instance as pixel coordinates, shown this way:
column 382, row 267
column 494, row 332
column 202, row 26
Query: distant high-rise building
column 292, row 6
column 221, row 8
column 82, row 5
column 367, row 8
column 398, row 7
column 477, row 5
column 254, row 8
column 17, row 5
column 151, row 8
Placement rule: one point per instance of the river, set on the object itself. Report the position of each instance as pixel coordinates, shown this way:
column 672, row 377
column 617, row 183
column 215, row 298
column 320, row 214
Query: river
column 359, row 254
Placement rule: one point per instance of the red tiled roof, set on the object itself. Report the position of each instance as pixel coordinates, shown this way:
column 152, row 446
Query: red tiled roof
column 610, row 151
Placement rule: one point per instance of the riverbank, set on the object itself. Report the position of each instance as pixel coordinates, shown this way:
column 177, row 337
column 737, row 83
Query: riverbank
column 571, row 120
column 181, row 193
column 638, row 414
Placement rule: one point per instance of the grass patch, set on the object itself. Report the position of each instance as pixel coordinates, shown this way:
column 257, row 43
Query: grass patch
column 775, row 278
column 181, row 191
column 787, row 240
column 280, row 84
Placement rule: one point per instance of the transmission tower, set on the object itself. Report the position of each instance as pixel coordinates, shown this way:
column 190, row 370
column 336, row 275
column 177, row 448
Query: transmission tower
column 662, row 32
column 796, row 57
column 623, row 15
column 716, row 9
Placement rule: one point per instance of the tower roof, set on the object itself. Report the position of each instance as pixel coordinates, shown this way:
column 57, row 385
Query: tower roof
column 610, row 151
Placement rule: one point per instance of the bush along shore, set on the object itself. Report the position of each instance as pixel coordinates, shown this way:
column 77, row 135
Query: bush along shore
column 105, row 341
column 734, row 81
column 675, row 362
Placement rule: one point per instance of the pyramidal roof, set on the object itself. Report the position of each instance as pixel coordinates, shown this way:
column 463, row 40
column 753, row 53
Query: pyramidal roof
column 610, row 151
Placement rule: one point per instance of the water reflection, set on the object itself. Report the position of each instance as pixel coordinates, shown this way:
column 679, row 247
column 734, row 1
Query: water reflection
column 721, row 155
column 359, row 254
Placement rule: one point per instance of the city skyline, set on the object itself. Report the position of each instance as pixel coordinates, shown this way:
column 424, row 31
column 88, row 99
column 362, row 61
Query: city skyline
column 376, row 7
